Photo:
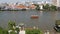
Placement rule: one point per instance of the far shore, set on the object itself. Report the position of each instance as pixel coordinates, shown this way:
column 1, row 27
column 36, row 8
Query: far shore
column 29, row 9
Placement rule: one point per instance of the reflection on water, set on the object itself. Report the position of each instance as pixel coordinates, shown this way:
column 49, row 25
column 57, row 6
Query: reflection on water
column 46, row 18
column 41, row 13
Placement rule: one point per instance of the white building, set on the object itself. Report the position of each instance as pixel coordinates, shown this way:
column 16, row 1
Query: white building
column 58, row 3
column 41, row 7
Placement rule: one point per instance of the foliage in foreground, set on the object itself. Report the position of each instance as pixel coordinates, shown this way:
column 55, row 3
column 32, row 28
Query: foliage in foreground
column 33, row 31
column 3, row 31
column 11, row 24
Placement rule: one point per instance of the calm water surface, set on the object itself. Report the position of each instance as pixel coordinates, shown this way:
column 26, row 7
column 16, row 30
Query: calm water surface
column 46, row 18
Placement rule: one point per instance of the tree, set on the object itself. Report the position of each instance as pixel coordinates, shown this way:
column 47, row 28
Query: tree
column 46, row 6
column 37, row 7
column 52, row 7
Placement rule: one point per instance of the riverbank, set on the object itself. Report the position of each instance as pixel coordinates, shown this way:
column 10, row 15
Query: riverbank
column 27, row 31
column 29, row 10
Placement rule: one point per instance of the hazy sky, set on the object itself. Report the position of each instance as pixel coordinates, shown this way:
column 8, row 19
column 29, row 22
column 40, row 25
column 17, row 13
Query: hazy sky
column 2, row 1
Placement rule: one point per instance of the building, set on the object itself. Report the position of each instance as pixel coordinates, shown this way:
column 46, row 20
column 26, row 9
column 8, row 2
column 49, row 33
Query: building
column 41, row 7
column 32, row 6
column 58, row 3
column 21, row 6
column 54, row 2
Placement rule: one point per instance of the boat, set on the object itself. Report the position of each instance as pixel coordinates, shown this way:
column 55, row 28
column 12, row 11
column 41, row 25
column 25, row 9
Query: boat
column 34, row 16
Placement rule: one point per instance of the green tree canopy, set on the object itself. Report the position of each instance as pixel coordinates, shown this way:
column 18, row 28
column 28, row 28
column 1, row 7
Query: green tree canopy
column 46, row 6
column 52, row 7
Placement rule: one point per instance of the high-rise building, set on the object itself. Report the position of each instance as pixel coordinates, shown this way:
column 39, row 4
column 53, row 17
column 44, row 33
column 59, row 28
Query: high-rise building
column 54, row 2
column 58, row 3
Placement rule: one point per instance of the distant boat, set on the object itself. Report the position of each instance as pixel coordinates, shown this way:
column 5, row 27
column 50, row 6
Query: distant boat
column 34, row 16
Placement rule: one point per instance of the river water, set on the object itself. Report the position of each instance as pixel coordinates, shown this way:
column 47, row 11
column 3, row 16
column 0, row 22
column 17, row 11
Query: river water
column 45, row 21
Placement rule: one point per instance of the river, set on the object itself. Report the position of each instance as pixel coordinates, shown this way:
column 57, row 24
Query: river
column 45, row 21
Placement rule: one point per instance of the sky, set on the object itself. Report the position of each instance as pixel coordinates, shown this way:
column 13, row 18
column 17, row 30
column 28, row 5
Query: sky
column 14, row 1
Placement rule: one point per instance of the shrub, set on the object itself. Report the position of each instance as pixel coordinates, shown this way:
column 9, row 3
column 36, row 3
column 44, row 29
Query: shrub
column 11, row 24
